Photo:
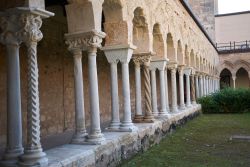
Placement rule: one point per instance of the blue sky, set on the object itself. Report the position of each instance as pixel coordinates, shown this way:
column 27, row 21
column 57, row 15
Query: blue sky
column 230, row 6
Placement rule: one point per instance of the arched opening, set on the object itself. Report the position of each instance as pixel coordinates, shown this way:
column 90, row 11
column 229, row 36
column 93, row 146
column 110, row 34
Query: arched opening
column 226, row 79
column 140, row 31
column 170, row 48
column 180, row 56
column 158, row 44
column 242, row 79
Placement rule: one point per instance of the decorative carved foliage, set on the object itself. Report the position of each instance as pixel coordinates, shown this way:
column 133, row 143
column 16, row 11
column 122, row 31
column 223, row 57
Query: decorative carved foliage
column 31, row 28
column 84, row 42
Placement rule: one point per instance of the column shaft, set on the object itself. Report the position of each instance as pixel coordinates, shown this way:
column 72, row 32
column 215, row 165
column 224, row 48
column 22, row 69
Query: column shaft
column 166, row 88
column 127, row 124
column 115, row 122
column 33, row 154
column 80, row 132
column 181, row 86
column 147, row 86
column 95, row 135
column 188, row 101
column 14, row 116
column 174, row 91
column 138, row 100
column 197, row 90
column 154, row 93
column 163, row 111
column 193, row 97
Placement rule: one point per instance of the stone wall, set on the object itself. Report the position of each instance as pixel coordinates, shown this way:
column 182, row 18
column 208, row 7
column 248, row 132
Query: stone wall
column 205, row 11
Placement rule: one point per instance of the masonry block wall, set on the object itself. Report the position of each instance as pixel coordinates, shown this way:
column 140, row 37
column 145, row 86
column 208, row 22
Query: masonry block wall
column 205, row 11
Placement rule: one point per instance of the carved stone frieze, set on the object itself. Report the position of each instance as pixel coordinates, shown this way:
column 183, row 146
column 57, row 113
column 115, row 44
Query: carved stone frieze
column 84, row 40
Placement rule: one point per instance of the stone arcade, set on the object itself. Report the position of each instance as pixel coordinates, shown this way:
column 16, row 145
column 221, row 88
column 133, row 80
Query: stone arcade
column 147, row 62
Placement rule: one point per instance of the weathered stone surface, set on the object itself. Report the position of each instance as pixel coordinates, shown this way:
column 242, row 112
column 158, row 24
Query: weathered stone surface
column 119, row 146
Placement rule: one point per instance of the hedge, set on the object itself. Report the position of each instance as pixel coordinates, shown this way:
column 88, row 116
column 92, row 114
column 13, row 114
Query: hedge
column 227, row 100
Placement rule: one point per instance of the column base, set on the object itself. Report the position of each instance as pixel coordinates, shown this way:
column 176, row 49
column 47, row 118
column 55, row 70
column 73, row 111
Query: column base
column 79, row 138
column 174, row 110
column 95, row 139
column 33, row 158
column 182, row 107
column 128, row 127
column 113, row 127
column 155, row 113
column 10, row 157
column 163, row 113
column 194, row 102
column 149, row 119
column 138, row 119
column 189, row 105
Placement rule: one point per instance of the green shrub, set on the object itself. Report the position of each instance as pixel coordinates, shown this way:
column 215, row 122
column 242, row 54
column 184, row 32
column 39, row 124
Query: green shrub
column 226, row 101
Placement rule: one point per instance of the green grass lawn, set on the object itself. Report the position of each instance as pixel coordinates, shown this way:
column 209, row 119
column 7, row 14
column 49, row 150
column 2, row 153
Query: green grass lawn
column 204, row 141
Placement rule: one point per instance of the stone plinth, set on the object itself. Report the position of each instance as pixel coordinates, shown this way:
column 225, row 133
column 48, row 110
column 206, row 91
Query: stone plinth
column 119, row 146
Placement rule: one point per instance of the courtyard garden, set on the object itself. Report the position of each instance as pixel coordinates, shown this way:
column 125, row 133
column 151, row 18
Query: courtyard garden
column 206, row 140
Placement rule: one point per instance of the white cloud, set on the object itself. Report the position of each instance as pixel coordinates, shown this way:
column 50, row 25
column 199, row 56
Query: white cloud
column 230, row 6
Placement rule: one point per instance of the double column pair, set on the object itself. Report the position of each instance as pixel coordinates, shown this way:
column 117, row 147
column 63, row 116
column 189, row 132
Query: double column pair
column 160, row 65
column 78, row 42
column 123, row 54
column 17, row 27
column 143, row 60
column 185, row 71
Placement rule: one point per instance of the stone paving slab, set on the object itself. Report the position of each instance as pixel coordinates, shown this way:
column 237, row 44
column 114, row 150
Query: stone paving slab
column 118, row 145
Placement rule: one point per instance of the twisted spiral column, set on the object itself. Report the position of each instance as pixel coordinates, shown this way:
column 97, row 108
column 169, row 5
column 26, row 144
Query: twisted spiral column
column 193, row 98
column 33, row 154
column 148, row 105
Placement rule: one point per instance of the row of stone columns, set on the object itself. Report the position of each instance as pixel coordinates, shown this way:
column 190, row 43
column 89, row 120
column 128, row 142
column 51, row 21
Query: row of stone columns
column 205, row 84
column 22, row 26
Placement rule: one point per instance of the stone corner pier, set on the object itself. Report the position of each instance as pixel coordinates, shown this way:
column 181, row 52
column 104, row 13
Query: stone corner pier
column 119, row 146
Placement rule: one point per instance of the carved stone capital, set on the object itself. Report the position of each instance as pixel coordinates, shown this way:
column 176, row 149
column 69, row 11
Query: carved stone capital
column 84, row 40
column 143, row 58
column 187, row 71
column 158, row 63
column 10, row 25
column 122, row 53
column 30, row 32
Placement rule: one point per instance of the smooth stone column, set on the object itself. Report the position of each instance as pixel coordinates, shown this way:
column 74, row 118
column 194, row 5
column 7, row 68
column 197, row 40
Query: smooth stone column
column 166, row 88
column 197, row 90
column 33, row 153
column 234, row 79
column 204, row 86
column 163, row 111
column 95, row 136
column 14, row 146
column 201, row 86
column 115, row 120
column 154, row 92
column 174, row 91
column 188, row 100
column 80, row 132
column 181, row 86
column 127, row 124
column 138, row 100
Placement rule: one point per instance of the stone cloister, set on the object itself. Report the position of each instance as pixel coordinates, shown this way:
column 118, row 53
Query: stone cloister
column 105, row 66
